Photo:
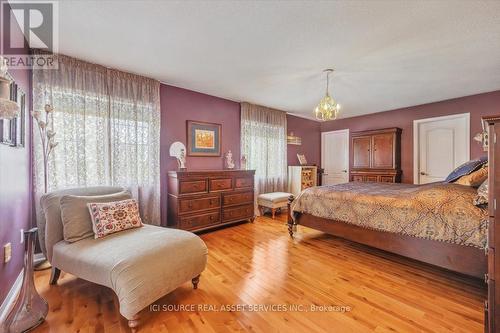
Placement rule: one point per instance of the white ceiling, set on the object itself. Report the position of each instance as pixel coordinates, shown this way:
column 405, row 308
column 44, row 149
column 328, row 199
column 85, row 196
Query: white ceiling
column 387, row 54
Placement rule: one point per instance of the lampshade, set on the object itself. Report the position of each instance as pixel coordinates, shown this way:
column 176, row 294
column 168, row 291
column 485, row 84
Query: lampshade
column 8, row 109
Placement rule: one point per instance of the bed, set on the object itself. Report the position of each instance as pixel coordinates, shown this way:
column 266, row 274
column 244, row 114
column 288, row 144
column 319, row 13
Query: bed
column 434, row 223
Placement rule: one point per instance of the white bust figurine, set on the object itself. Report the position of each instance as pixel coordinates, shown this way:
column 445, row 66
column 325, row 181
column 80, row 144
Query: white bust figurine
column 229, row 160
column 243, row 162
column 182, row 160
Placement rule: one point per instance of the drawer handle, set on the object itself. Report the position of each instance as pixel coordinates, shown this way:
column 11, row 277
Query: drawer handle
column 211, row 217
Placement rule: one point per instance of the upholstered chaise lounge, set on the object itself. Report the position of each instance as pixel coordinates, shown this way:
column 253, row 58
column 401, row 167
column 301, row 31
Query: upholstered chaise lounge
column 140, row 265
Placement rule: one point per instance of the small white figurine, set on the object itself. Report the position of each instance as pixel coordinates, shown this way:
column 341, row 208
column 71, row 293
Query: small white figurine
column 182, row 160
column 243, row 162
column 229, row 160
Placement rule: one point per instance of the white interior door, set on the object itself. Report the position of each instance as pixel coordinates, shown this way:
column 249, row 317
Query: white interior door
column 335, row 156
column 440, row 145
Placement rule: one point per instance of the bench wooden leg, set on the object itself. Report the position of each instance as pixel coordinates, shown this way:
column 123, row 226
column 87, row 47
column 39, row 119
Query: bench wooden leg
column 54, row 275
column 261, row 210
column 195, row 282
column 273, row 212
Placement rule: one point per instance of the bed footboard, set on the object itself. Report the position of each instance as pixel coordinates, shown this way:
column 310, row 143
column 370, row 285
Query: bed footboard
column 462, row 259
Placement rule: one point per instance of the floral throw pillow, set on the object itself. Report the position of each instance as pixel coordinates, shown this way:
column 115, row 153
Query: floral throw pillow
column 111, row 217
column 481, row 198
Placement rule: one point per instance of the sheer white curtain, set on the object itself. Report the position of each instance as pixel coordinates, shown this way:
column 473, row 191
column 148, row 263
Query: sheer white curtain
column 107, row 124
column 134, row 134
column 263, row 143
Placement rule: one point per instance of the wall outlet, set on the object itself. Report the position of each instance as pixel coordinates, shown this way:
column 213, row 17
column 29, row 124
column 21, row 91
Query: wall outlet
column 22, row 236
column 7, row 252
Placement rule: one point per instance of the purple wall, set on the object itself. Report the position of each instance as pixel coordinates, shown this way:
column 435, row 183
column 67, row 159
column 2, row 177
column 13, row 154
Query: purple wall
column 310, row 132
column 15, row 193
column 179, row 105
column 477, row 105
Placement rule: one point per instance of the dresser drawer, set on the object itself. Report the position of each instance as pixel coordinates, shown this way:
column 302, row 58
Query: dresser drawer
column 221, row 184
column 386, row 179
column 357, row 178
column 237, row 198
column 199, row 221
column 238, row 213
column 371, row 178
column 191, row 205
column 193, row 186
column 491, row 263
column 243, row 182
column 492, row 308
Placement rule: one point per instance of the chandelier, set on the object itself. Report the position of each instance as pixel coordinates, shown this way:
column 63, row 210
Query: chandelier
column 327, row 109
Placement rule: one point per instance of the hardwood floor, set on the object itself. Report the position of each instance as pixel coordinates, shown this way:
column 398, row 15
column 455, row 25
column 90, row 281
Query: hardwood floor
column 257, row 263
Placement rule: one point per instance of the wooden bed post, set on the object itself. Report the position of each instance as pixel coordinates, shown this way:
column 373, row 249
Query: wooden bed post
column 290, row 221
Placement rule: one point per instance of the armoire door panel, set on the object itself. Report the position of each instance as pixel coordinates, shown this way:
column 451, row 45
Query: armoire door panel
column 376, row 155
column 383, row 151
column 361, row 147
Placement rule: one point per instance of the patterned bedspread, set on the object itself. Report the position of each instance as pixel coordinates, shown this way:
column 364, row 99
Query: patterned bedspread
column 437, row 211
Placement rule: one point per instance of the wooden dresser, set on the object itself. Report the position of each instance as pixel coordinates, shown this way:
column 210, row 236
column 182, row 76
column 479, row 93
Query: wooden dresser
column 301, row 177
column 199, row 200
column 376, row 156
column 492, row 304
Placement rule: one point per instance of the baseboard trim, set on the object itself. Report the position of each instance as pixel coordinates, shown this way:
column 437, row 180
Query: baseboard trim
column 9, row 301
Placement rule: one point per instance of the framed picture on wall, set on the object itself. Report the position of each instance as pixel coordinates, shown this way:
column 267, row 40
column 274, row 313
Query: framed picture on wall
column 21, row 119
column 302, row 159
column 203, row 139
column 12, row 130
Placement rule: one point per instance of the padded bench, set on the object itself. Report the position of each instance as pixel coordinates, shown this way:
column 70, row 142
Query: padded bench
column 273, row 201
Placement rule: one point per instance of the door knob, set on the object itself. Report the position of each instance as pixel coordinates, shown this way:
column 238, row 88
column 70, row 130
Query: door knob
column 344, row 170
column 422, row 173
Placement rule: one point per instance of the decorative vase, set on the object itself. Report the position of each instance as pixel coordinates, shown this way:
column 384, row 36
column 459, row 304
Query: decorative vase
column 30, row 308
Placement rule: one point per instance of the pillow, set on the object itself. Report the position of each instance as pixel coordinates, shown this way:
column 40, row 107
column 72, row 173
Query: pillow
column 474, row 179
column 111, row 217
column 466, row 168
column 77, row 223
column 482, row 194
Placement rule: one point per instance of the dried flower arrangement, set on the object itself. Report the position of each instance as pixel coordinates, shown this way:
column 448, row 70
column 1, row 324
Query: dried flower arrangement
column 47, row 138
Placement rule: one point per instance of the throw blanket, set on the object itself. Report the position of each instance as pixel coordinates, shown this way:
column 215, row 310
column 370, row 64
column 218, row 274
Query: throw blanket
column 437, row 211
